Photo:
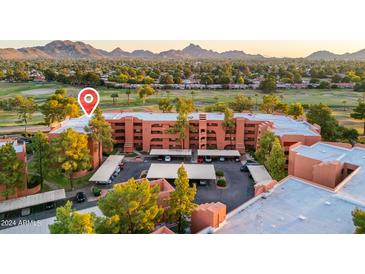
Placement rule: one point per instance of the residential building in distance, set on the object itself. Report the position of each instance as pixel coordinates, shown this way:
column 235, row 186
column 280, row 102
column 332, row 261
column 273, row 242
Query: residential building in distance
column 149, row 130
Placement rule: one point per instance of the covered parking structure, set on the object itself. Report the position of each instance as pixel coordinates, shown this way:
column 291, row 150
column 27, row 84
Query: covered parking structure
column 215, row 153
column 184, row 153
column 107, row 169
column 24, row 205
column 169, row 171
column 259, row 174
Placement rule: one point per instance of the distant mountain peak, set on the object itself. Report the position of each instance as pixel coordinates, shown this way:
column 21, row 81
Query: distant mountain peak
column 67, row 49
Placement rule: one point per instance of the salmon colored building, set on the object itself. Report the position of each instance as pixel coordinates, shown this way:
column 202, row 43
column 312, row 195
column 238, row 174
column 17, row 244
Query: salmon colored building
column 144, row 131
column 208, row 215
column 21, row 154
column 330, row 165
column 165, row 190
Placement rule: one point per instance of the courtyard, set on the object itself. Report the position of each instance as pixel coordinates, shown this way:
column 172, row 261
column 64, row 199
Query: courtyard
column 239, row 187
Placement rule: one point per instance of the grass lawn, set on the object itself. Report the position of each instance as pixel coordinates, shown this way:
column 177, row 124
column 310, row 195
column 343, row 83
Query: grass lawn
column 63, row 182
column 60, row 180
column 333, row 98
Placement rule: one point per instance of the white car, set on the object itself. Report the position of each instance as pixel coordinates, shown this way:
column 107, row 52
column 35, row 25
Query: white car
column 221, row 159
column 167, row 158
column 208, row 159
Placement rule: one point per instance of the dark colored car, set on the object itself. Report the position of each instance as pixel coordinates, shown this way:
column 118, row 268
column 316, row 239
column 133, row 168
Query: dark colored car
column 248, row 162
column 80, row 197
column 49, row 205
column 200, row 159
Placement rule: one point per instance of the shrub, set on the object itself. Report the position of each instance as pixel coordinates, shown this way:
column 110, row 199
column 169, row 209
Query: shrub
column 34, row 181
column 221, row 183
column 96, row 191
column 219, row 173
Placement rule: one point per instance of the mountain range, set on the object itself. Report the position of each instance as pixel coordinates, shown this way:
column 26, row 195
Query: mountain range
column 79, row 50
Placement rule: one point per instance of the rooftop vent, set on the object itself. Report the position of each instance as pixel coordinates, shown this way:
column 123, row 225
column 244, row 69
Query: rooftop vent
column 323, row 151
column 328, row 203
column 302, row 218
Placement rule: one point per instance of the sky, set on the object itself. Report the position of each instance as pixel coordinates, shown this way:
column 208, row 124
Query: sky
column 269, row 48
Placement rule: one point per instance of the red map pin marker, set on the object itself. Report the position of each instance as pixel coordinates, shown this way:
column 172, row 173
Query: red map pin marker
column 88, row 100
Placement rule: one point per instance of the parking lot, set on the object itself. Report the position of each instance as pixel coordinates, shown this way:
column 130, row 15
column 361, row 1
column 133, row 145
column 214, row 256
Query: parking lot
column 239, row 186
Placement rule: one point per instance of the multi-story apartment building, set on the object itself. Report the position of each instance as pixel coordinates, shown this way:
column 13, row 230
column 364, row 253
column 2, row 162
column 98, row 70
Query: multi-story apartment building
column 147, row 130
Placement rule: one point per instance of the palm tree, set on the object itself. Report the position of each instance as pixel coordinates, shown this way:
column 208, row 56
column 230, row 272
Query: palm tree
column 128, row 92
column 114, row 96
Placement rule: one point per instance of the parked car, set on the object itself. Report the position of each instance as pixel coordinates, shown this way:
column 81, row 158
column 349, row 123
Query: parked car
column 49, row 205
column 160, row 158
column 221, row 159
column 202, row 183
column 208, row 159
column 237, row 159
column 167, row 158
column 80, row 197
column 244, row 167
column 200, row 159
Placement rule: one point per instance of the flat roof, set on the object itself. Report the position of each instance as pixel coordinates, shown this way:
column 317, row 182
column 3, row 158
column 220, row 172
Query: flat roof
column 294, row 206
column 355, row 187
column 218, row 152
column 32, row 200
column 169, row 171
column 171, row 152
column 17, row 147
column 41, row 227
column 259, row 174
column 106, row 170
column 283, row 125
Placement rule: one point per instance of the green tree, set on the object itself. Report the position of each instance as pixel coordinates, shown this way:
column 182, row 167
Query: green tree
column 229, row 123
column 133, row 207
column 145, row 91
column 358, row 218
column 11, row 170
column 128, row 92
column 114, row 97
column 322, row 115
column 25, row 108
column 217, row 107
column 100, row 131
column 72, row 222
column 270, row 103
column 275, row 163
column 181, row 200
column 241, row 103
column 183, row 107
column 268, row 85
column 264, row 148
column 358, row 113
column 296, row 110
column 70, row 153
column 40, row 148
column 166, row 79
column 165, row 105
column 59, row 106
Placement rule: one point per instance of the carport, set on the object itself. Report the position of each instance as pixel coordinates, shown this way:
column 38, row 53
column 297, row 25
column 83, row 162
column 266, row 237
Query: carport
column 27, row 202
column 259, row 174
column 169, row 171
column 111, row 164
column 219, row 153
column 171, row 152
